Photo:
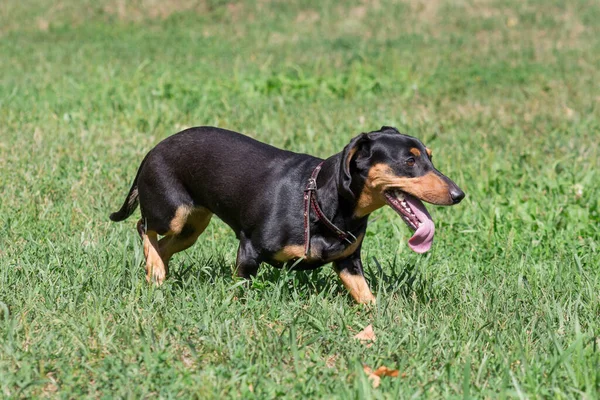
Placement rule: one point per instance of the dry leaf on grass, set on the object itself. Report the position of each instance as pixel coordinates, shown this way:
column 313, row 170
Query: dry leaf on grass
column 366, row 335
column 375, row 376
column 385, row 371
column 375, row 380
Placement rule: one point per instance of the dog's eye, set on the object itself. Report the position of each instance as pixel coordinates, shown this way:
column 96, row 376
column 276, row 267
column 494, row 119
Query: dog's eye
column 410, row 162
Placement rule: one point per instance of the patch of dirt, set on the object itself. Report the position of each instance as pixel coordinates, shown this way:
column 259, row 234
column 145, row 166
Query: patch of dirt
column 138, row 10
column 307, row 17
column 426, row 10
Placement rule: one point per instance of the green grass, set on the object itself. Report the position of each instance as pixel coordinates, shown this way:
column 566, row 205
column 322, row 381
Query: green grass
column 505, row 92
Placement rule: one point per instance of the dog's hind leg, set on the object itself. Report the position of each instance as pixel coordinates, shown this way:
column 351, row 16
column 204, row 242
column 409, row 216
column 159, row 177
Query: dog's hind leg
column 155, row 267
column 188, row 230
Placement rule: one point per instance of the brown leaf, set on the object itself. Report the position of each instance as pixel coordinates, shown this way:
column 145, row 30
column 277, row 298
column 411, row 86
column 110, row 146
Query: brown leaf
column 375, row 380
column 366, row 335
column 375, row 377
column 385, row 371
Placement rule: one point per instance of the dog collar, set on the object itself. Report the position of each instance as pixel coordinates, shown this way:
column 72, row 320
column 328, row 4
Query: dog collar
column 310, row 199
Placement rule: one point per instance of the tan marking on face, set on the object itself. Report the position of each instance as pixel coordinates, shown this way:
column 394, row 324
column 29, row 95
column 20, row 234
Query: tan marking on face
column 358, row 287
column 371, row 198
column 415, row 152
column 296, row 251
column 429, row 187
column 429, row 152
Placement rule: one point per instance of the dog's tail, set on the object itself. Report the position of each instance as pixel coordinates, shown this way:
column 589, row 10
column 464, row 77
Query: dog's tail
column 131, row 201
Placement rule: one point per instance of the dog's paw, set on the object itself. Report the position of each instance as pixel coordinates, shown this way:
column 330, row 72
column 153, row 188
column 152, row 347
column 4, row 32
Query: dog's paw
column 367, row 298
column 156, row 275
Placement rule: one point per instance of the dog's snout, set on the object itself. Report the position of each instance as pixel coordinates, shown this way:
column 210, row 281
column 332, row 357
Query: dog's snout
column 457, row 195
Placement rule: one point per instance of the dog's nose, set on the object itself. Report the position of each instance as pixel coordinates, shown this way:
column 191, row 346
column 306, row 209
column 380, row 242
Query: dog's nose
column 457, row 195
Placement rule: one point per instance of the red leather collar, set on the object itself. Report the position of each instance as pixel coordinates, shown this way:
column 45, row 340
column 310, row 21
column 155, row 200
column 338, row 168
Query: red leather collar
column 310, row 199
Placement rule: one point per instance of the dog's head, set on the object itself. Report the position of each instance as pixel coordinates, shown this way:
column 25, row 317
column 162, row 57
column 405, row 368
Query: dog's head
column 387, row 167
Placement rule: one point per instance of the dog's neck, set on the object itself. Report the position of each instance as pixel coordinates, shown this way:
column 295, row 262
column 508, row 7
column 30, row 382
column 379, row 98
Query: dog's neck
column 336, row 207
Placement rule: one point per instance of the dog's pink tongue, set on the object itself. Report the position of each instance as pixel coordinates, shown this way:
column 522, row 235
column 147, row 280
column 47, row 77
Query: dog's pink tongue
column 421, row 241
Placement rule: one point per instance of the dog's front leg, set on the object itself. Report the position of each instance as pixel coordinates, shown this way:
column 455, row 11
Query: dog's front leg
column 350, row 272
column 247, row 260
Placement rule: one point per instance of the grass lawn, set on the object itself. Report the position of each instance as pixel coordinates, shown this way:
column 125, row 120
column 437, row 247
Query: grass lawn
column 505, row 92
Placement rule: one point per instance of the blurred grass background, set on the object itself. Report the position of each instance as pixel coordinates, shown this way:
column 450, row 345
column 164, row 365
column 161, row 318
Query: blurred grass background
column 506, row 94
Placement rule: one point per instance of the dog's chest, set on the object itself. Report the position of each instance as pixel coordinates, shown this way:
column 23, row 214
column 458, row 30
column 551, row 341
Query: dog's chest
column 319, row 252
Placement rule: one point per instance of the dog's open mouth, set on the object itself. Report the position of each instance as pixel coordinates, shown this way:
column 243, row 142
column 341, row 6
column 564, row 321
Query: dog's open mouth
column 414, row 213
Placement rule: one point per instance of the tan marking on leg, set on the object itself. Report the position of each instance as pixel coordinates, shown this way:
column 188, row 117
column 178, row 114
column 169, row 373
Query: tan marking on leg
column 415, row 152
column 429, row 152
column 155, row 268
column 178, row 222
column 358, row 287
column 198, row 220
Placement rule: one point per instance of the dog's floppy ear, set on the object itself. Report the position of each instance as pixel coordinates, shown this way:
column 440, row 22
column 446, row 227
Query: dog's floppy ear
column 355, row 148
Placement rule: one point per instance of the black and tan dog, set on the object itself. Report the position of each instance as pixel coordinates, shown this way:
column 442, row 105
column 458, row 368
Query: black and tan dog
column 284, row 207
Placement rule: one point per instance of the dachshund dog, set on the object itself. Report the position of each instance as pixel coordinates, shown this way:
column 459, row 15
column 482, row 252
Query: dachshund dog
column 284, row 207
